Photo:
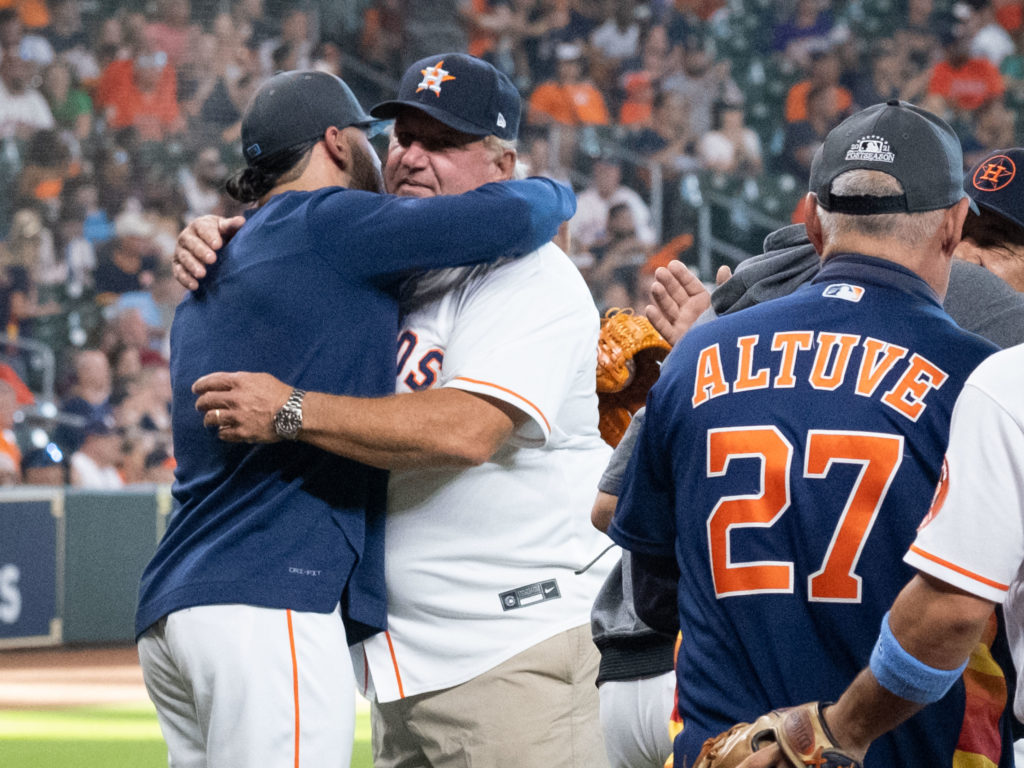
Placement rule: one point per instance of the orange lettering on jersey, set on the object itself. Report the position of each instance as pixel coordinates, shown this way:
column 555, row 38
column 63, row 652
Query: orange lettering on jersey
column 831, row 359
column 746, row 379
column 878, row 359
column 907, row 397
column 710, row 381
column 770, row 447
column 789, row 343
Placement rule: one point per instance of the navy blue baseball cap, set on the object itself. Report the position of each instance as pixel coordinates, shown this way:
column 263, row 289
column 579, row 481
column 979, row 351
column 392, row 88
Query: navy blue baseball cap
column 293, row 107
column 996, row 184
column 461, row 91
column 912, row 145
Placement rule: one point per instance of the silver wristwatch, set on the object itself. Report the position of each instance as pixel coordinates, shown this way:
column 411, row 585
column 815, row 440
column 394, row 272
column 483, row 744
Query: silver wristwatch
column 288, row 420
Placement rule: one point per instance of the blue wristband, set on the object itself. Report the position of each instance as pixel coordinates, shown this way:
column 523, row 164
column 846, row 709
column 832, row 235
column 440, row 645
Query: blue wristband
column 900, row 673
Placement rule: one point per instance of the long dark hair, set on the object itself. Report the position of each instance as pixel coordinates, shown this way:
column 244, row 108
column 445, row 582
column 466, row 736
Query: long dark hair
column 252, row 182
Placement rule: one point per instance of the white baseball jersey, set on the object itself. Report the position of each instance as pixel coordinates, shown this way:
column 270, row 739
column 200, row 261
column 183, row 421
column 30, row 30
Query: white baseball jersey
column 973, row 538
column 480, row 562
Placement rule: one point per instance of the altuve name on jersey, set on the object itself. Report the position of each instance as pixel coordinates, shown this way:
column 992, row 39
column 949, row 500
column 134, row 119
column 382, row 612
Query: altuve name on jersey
column 833, row 364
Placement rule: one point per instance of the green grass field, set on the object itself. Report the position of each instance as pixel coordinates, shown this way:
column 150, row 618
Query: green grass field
column 105, row 737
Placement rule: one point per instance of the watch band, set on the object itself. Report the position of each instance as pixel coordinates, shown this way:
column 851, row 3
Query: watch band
column 288, row 419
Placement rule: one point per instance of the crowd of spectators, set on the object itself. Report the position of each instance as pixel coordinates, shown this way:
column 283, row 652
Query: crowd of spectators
column 118, row 123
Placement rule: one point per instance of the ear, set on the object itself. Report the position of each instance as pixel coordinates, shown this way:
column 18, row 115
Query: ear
column 507, row 163
column 813, row 223
column 953, row 225
column 338, row 148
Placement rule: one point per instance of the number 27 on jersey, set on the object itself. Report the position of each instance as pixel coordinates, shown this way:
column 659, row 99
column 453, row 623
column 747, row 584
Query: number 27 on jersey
column 879, row 457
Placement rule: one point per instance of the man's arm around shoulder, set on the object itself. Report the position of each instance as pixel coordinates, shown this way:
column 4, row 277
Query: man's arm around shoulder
column 444, row 427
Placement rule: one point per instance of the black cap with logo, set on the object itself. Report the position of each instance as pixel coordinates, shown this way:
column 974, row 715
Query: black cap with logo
column 908, row 143
column 293, row 107
column 996, row 183
column 461, row 91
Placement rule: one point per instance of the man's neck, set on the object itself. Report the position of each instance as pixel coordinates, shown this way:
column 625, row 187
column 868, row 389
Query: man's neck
column 311, row 180
column 930, row 265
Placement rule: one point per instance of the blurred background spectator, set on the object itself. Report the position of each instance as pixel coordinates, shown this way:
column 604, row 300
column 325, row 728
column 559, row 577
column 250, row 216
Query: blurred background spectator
column 730, row 147
column 44, row 466
column 571, row 97
column 127, row 262
column 962, row 82
column 805, row 31
column 701, row 81
column 803, row 137
column 202, row 183
column 88, row 398
column 23, row 109
column 589, row 227
column 685, row 126
column 824, row 70
column 141, row 93
column 94, row 464
column 29, row 47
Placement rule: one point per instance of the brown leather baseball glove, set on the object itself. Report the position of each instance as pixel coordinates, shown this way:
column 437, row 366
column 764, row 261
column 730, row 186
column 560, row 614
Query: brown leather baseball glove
column 629, row 355
column 800, row 732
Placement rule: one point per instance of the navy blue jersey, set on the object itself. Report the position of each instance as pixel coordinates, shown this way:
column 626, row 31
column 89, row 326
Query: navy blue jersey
column 307, row 291
column 789, row 453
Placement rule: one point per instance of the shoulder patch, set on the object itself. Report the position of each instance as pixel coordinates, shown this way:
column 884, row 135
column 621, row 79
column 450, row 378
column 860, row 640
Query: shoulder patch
column 843, row 291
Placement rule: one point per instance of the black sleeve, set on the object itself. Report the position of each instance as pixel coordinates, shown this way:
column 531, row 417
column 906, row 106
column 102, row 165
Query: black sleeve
column 655, row 585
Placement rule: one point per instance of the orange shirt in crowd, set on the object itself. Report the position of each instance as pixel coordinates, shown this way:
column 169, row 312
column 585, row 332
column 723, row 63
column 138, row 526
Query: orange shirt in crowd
column 33, row 13
column 22, row 394
column 969, row 86
column 480, row 42
column 1010, row 14
column 796, row 101
column 635, row 112
column 10, row 449
column 154, row 114
column 638, row 107
column 705, row 9
column 578, row 104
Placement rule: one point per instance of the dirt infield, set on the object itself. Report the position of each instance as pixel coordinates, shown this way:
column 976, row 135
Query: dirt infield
column 62, row 677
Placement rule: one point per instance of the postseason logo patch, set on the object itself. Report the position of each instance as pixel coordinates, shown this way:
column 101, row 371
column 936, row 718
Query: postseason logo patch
column 843, row 291
column 872, row 148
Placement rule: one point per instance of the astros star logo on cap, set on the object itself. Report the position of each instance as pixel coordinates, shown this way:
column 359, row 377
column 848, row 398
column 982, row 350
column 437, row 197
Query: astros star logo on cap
column 433, row 77
column 994, row 174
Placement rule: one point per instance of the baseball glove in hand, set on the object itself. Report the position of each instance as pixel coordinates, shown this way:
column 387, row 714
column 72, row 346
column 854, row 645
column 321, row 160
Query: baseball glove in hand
column 629, row 355
column 800, row 732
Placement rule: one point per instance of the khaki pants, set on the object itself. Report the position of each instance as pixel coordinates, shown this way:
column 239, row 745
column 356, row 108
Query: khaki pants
column 539, row 709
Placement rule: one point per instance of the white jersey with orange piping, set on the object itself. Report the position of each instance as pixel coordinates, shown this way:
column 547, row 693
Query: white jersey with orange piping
column 481, row 563
column 973, row 537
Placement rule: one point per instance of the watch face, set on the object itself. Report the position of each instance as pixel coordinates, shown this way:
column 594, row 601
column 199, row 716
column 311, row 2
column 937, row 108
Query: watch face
column 288, row 421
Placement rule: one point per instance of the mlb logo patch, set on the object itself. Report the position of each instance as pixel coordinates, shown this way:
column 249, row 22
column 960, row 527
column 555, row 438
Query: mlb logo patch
column 843, row 291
